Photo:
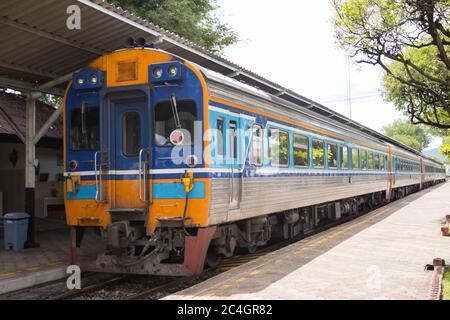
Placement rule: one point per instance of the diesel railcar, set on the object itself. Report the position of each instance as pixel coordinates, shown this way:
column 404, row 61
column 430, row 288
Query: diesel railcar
column 177, row 166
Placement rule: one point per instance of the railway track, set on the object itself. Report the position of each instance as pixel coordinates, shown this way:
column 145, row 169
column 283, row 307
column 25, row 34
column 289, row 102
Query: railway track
column 70, row 295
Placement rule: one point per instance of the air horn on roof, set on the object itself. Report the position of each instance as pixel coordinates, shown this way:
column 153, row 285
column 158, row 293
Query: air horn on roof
column 139, row 43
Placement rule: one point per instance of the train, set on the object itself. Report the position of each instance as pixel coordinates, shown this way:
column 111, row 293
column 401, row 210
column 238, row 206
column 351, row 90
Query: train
column 176, row 166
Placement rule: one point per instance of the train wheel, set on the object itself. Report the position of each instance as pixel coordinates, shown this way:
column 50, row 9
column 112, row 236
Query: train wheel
column 213, row 258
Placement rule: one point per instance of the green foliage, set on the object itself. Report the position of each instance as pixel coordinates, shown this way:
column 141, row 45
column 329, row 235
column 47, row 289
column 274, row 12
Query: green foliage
column 413, row 100
column 193, row 19
column 278, row 148
column 410, row 40
column 446, row 285
column 414, row 136
column 318, row 153
column 445, row 147
column 52, row 100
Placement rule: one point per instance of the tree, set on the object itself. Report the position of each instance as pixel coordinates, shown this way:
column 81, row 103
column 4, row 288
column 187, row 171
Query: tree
column 193, row 19
column 51, row 100
column 414, row 136
column 445, row 147
column 410, row 40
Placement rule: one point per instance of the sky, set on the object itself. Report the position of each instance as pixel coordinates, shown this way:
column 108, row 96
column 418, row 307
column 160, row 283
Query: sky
column 291, row 42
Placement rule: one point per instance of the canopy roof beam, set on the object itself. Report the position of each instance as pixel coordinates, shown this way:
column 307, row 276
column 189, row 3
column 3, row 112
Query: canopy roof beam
column 43, row 130
column 24, row 69
column 43, row 34
column 13, row 125
column 26, row 87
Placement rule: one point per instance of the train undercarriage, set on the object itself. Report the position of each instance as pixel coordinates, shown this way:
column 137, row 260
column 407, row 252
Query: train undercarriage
column 179, row 251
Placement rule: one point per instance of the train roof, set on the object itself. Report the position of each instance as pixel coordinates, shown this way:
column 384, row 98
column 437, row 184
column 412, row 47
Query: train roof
column 305, row 104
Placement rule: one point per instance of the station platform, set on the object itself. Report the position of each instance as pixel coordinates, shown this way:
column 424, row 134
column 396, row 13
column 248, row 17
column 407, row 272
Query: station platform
column 30, row 267
column 380, row 255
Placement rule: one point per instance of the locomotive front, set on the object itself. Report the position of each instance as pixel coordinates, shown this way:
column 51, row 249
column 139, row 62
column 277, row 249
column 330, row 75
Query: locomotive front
column 134, row 166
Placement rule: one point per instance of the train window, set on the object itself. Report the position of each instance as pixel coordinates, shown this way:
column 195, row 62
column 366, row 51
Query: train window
column 301, row 151
column 257, row 146
column 370, row 161
column 165, row 121
column 318, row 153
column 363, row 154
column 332, row 155
column 220, row 147
column 344, row 157
column 278, row 147
column 382, row 162
column 233, row 140
column 355, row 158
column 376, row 161
column 131, row 134
column 90, row 138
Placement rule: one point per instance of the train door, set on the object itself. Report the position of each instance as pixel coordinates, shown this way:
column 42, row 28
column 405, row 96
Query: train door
column 129, row 153
column 421, row 173
column 233, row 152
column 394, row 170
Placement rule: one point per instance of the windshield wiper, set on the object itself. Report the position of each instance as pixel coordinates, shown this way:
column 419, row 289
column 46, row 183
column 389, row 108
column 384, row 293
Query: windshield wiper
column 173, row 103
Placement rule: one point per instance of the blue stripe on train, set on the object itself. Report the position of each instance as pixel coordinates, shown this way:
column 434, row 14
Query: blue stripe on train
column 176, row 191
column 85, row 192
column 246, row 174
column 159, row 191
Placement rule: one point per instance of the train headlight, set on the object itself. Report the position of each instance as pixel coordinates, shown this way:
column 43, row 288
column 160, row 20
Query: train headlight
column 80, row 80
column 93, row 79
column 191, row 161
column 172, row 71
column 157, row 72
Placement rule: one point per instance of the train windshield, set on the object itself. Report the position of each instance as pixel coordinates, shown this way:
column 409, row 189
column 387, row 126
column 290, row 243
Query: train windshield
column 165, row 121
column 85, row 134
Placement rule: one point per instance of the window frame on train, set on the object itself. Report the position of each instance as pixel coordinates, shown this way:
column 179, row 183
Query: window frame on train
column 95, row 120
column 271, row 144
column 356, row 157
column 220, row 139
column 301, row 165
column 342, row 157
column 370, row 163
column 363, row 156
column 125, row 134
column 335, row 156
column 182, row 103
column 321, row 141
column 261, row 146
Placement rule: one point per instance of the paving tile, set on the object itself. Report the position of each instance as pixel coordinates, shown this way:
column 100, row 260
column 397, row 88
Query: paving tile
column 383, row 259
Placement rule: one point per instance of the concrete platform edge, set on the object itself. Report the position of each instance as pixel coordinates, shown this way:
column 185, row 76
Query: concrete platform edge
column 33, row 279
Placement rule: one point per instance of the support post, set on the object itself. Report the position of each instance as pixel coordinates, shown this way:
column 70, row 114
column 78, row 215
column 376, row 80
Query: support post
column 30, row 174
column 76, row 236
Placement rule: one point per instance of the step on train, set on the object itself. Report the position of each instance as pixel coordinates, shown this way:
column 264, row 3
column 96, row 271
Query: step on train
column 176, row 166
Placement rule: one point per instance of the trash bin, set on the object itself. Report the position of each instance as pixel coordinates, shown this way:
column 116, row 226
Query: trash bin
column 15, row 228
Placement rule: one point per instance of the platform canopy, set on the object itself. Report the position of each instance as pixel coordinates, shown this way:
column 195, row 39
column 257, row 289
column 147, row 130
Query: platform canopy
column 39, row 52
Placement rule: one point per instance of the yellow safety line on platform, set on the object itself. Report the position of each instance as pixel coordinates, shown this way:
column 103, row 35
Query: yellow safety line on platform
column 312, row 242
column 9, row 274
column 6, row 275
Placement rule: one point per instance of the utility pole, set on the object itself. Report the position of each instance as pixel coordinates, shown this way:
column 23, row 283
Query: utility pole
column 349, row 88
